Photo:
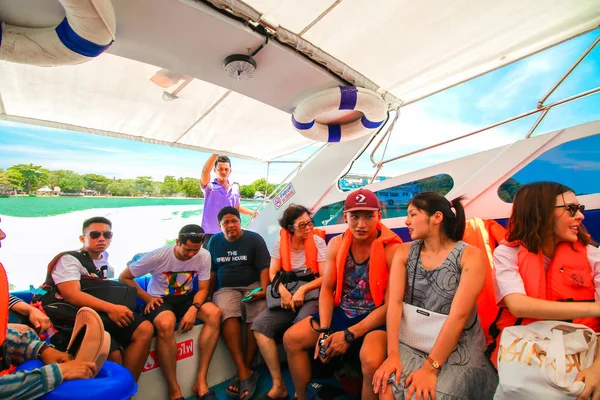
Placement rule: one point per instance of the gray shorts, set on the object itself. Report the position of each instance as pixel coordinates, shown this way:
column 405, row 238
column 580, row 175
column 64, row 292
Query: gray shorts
column 229, row 300
column 273, row 322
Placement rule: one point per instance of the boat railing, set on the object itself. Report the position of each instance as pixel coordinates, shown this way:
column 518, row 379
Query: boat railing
column 268, row 196
column 541, row 108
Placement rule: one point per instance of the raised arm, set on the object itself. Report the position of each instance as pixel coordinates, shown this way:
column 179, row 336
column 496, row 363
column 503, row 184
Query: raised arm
column 208, row 166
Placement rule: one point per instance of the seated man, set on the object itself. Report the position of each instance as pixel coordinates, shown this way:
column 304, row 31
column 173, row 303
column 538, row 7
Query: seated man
column 17, row 347
column 170, row 296
column 130, row 333
column 351, row 304
column 240, row 264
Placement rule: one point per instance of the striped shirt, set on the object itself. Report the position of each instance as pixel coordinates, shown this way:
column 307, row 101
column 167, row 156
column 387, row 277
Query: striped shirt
column 12, row 300
column 27, row 385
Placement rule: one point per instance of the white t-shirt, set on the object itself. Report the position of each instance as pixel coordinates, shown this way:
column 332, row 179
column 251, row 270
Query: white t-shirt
column 507, row 279
column 297, row 256
column 171, row 276
column 68, row 268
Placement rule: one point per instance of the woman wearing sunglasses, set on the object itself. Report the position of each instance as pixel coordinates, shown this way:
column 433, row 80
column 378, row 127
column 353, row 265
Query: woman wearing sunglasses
column 545, row 229
column 298, row 250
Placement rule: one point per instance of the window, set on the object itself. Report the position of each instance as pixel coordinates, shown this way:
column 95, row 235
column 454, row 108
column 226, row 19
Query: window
column 394, row 200
column 575, row 164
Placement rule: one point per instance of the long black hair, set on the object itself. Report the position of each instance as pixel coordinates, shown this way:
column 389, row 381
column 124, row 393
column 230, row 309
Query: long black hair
column 453, row 222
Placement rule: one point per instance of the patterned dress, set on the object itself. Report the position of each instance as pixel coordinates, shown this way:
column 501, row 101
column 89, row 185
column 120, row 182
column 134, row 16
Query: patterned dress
column 468, row 373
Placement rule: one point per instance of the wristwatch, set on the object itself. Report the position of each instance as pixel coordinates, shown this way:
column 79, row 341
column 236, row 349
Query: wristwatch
column 348, row 336
column 197, row 305
column 434, row 363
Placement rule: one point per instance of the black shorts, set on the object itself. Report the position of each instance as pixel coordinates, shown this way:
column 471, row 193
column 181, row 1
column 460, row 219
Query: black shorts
column 120, row 337
column 178, row 305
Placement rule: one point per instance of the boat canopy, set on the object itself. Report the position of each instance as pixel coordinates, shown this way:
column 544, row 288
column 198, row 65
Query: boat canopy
column 163, row 81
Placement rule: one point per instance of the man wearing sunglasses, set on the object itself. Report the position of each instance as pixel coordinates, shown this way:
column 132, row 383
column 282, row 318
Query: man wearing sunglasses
column 130, row 333
column 171, row 296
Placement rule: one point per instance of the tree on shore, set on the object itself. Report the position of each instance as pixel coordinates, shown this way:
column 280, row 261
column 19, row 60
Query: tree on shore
column 97, row 182
column 31, row 177
column 28, row 176
column 260, row 185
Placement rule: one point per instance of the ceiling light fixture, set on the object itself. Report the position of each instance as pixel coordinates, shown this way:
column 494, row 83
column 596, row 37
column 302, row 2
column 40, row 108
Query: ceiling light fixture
column 241, row 66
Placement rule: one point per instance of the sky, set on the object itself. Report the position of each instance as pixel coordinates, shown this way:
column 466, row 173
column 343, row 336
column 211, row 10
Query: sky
column 485, row 100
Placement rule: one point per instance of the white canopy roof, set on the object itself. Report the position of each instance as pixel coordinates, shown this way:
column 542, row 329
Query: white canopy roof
column 409, row 49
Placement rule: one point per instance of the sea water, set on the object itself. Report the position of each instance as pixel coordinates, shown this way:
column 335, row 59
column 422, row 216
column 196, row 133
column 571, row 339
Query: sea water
column 39, row 228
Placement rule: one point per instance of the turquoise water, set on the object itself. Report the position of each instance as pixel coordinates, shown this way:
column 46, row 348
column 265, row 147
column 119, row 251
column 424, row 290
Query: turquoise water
column 46, row 206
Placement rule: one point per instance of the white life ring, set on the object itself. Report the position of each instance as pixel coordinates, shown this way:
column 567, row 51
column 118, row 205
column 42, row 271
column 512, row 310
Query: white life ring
column 369, row 103
column 87, row 30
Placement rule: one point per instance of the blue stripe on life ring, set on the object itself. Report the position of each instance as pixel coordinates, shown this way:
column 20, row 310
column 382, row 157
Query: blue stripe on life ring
column 370, row 124
column 335, row 133
column 76, row 43
column 301, row 125
column 348, row 97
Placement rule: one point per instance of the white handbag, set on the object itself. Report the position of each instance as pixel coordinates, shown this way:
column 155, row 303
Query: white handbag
column 420, row 327
column 542, row 360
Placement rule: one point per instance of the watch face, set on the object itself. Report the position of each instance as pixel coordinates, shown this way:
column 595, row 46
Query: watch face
column 349, row 336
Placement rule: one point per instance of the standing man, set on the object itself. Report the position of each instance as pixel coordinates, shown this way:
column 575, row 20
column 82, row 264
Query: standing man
column 240, row 267
column 69, row 271
column 171, row 297
column 218, row 194
column 352, row 308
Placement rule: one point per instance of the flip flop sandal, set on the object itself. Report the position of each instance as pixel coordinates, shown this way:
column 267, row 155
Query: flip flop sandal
column 235, row 382
column 89, row 341
column 249, row 385
column 210, row 395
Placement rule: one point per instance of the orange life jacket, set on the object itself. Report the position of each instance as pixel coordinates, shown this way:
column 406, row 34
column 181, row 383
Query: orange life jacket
column 378, row 269
column 568, row 278
column 485, row 234
column 310, row 250
column 5, row 367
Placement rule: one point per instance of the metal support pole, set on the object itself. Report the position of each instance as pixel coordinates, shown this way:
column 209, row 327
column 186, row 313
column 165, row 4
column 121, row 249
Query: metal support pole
column 561, row 80
column 506, row 121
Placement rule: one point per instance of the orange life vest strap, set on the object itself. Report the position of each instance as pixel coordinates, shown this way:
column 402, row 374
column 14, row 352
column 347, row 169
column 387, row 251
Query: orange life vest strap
column 310, row 252
column 378, row 269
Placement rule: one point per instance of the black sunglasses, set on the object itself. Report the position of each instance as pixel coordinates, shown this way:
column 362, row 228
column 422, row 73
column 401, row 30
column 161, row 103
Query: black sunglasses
column 96, row 234
column 572, row 208
column 192, row 237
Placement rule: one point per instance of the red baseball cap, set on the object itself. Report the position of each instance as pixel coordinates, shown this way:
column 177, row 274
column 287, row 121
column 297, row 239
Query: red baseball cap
column 361, row 199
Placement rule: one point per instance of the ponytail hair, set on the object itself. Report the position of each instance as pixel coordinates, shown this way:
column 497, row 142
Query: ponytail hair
column 453, row 212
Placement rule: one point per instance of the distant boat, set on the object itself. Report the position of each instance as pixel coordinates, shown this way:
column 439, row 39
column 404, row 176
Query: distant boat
column 31, row 195
column 4, row 195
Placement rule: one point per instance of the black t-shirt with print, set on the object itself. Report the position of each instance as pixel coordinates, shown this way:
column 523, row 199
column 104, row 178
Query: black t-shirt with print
column 238, row 263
